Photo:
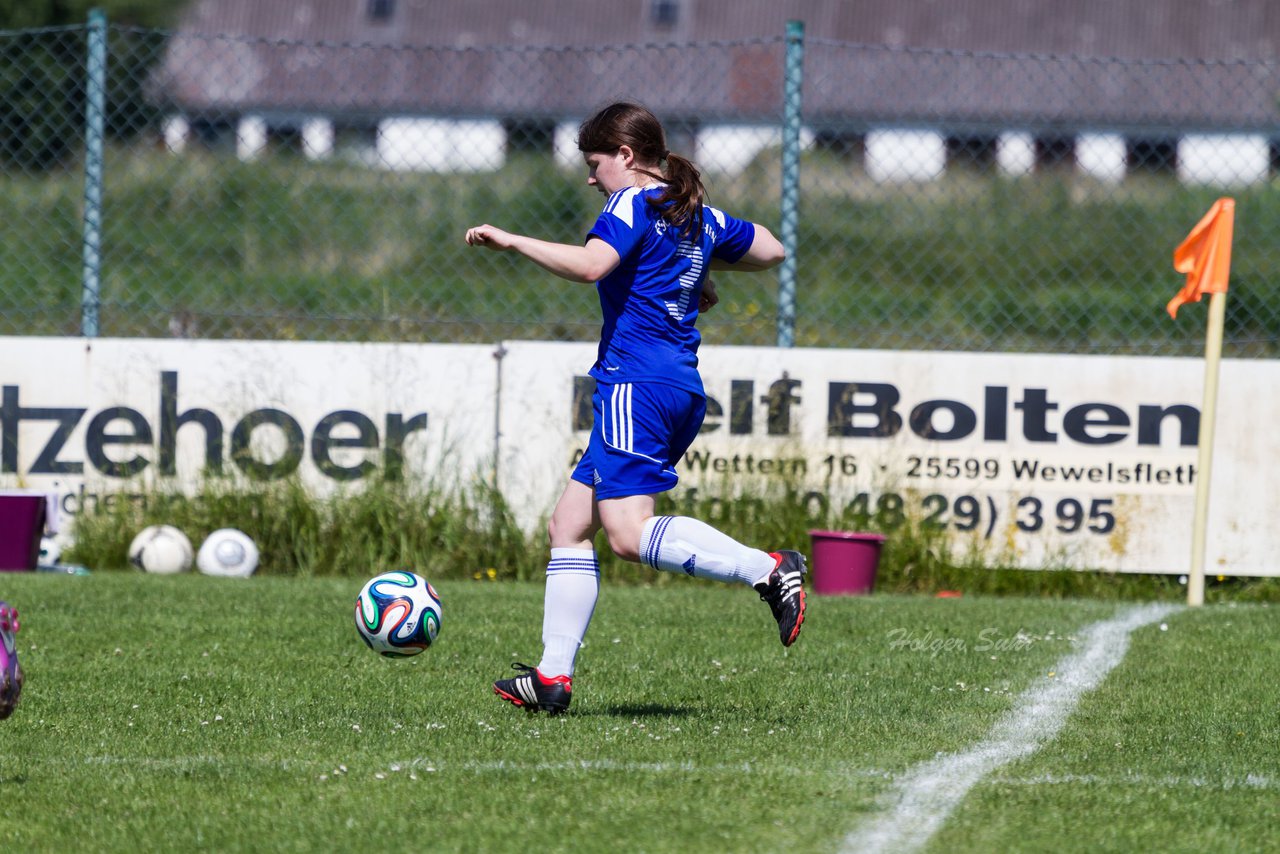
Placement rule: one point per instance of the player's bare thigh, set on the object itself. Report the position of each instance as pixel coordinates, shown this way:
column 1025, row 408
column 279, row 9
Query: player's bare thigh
column 575, row 521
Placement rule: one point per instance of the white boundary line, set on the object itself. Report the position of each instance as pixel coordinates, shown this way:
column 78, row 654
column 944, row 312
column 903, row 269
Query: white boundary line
column 926, row 795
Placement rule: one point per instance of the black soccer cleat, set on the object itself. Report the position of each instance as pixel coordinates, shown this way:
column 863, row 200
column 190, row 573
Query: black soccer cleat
column 784, row 591
column 533, row 691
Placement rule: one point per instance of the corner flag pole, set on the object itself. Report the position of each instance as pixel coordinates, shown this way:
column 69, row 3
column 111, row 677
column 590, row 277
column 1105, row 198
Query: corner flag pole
column 1204, row 460
column 1205, row 256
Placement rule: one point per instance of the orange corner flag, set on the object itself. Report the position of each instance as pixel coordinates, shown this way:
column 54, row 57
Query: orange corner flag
column 1205, row 256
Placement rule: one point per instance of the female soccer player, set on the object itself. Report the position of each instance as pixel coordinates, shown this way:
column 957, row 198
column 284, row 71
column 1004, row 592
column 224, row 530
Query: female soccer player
column 649, row 253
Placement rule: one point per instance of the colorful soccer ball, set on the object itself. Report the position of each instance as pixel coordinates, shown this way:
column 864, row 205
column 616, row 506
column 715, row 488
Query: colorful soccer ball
column 228, row 552
column 162, row 550
column 398, row 614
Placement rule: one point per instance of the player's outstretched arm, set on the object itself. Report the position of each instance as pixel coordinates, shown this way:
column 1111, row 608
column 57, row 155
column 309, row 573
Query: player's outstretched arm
column 589, row 263
column 765, row 252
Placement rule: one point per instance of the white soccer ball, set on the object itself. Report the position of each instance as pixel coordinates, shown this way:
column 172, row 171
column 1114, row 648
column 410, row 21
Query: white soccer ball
column 162, row 550
column 50, row 551
column 398, row 614
column 228, row 552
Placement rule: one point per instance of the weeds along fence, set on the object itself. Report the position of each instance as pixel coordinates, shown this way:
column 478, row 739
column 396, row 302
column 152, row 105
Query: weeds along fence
column 170, row 183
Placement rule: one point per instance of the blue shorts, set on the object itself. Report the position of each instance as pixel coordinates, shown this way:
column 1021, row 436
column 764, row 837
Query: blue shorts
column 640, row 432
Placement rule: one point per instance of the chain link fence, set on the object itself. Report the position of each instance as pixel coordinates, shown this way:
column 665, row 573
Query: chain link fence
column 157, row 183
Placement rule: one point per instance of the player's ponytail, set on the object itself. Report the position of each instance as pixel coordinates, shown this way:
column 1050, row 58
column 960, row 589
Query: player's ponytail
column 685, row 194
column 624, row 123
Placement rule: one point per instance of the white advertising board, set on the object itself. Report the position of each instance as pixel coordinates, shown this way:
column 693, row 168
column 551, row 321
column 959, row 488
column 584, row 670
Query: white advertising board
column 1032, row 460
column 90, row 419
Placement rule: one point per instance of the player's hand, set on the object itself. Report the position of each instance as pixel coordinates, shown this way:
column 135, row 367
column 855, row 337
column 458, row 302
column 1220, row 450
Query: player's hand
column 490, row 237
column 709, row 296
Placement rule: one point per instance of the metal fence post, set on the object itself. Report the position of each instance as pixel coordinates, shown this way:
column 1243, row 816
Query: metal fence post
column 94, row 122
column 791, row 103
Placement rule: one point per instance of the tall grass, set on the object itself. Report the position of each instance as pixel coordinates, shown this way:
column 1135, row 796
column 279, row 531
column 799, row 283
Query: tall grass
column 466, row 531
column 447, row 532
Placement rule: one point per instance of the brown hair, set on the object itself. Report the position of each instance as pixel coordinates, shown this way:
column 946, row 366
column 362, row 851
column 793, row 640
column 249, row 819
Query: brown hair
column 625, row 123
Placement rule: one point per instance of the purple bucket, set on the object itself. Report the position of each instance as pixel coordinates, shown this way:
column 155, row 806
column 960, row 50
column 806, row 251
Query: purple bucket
column 21, row 526
column 844, row 562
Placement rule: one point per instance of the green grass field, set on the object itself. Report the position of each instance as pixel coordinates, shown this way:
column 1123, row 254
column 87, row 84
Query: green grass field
column 191, row 713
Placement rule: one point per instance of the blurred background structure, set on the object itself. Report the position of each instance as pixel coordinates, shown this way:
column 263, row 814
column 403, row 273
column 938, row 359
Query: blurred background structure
column 970, row 175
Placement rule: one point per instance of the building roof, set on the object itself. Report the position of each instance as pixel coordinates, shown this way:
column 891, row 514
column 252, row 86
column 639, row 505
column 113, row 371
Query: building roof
column 1127, row 29
column 1037, row 63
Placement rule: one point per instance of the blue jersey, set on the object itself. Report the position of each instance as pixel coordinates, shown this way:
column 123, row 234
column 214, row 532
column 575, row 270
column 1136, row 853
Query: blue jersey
column 650, row 300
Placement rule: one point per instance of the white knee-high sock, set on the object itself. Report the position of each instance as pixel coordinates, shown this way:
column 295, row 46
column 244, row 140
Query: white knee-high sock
column 573, row 584
column 682, row 544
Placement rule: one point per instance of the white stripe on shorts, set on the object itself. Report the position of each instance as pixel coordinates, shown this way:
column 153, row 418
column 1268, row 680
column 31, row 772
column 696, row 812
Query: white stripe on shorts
column 618, row 430
column 620, row 416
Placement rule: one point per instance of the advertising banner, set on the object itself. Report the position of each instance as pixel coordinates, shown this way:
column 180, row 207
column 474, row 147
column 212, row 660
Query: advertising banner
column 92, row 419
column 1036, row 461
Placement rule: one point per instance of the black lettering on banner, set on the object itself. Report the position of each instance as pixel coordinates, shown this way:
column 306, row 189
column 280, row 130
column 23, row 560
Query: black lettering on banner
column 1151, row 419
column 97, row 438
column 741, row 407
column 102, row 431
column 242, row 453
column 995, row 426
column 842, row 408
column 583, row 390
column 12, row 414
column 397, row 429
column 711, row 421
column 972, row 513
column 778, row 400
column 1030, row 518
column 816, row 505
column 171, row 421
column 741, row 410
column 47, row 462
column 1078, row 419
column 963, row 420
column 323, row 442
column 1035, row 407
